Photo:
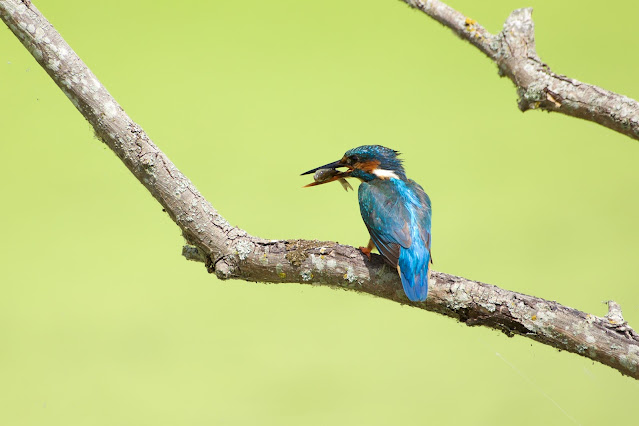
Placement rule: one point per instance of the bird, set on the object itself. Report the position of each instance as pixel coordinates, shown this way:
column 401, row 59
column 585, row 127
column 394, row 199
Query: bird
column 396, row 211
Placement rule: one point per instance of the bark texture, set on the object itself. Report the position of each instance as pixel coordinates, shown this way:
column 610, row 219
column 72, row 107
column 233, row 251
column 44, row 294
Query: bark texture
column 538, row 87
column 231, row 253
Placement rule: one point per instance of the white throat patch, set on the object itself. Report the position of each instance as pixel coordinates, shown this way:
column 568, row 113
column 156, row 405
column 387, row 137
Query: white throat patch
column 385, row 174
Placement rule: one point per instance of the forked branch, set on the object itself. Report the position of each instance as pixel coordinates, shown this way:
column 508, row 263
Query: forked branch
column 538, row 87
column 231, row 253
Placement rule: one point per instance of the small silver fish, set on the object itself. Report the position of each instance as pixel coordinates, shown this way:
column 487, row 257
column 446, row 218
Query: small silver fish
column 325, row 175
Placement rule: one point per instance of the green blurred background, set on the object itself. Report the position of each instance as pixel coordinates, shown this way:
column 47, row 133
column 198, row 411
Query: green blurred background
column 102, row 321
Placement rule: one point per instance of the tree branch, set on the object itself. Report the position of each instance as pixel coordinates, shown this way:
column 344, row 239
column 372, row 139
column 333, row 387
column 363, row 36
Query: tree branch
column 231, row 253
column 538, row 87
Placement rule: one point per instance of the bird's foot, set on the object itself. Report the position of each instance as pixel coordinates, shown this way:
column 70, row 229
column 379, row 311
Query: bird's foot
column 366, row 251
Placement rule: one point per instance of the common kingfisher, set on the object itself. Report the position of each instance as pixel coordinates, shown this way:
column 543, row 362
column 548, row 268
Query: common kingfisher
column 395, row 209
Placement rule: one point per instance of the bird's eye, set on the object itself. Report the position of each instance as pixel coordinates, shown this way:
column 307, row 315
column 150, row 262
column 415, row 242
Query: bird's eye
column 353, row 159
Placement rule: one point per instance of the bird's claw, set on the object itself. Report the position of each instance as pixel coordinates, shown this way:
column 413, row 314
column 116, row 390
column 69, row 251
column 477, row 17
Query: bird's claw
column 366, row 251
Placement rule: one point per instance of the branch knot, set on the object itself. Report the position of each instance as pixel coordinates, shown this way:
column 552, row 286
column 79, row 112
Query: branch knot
column 615, row 321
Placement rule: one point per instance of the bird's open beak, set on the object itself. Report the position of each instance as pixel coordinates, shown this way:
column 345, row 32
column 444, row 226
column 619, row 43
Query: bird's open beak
column 328, row 173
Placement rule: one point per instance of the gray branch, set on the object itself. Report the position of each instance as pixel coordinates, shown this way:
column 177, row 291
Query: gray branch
column 538, row 87
column 231, row 253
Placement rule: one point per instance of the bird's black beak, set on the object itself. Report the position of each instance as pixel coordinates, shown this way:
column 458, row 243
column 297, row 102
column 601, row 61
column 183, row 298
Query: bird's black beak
column 333, row 166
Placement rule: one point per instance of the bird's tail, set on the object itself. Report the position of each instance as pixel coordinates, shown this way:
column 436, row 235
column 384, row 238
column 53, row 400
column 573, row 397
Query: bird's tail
column 413, row 270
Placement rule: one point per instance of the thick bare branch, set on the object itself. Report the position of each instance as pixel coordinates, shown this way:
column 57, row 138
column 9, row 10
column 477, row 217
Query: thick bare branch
column 513, row 50
column 230, row 252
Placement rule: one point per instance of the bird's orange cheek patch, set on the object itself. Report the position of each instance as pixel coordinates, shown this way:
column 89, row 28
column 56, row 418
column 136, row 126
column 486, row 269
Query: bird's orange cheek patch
column 367, row 166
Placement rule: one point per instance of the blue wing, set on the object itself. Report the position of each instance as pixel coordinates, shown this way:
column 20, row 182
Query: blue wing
column 398, row 215
column 386, row 218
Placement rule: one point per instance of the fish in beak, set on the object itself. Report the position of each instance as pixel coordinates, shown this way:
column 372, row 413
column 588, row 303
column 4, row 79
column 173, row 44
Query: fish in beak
column 329, row 173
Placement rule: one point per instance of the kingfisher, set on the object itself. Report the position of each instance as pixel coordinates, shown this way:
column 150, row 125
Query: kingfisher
column 395, row 210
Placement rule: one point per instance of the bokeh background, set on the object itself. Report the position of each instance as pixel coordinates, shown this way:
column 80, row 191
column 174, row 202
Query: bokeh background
column 102, row 321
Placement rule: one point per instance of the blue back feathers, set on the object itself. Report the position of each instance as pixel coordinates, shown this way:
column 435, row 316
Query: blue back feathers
column 414, row 261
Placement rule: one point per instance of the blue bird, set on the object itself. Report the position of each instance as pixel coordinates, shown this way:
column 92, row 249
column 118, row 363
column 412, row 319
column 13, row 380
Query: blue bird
column 395, row 209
